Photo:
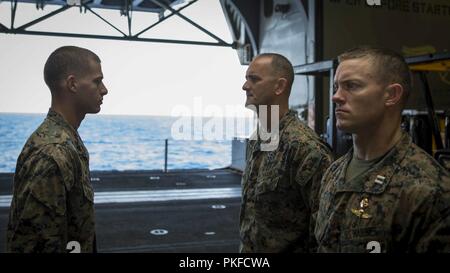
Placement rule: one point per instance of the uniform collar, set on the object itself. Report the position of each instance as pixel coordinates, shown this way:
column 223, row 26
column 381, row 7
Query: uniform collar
column 375, row 180
column 59, row 119
column 285, row 120
column 290, row 116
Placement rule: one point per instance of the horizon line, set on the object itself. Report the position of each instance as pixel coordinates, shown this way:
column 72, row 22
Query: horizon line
column 135, row 115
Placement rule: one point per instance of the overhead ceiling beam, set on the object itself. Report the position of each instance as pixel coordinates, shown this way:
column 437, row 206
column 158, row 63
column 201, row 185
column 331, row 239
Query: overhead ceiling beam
column 157, row 2
column 164, row 18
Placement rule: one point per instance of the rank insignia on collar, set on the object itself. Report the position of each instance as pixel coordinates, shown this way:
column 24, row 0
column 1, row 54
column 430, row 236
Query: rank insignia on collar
column 360, row 212
column 380, row 179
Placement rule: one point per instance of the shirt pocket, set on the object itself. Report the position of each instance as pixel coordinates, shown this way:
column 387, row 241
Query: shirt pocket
column 267, row 186
column 270, row 180
column 272, row 195
column 268, row 203
column 272, row 169
column 365, row 240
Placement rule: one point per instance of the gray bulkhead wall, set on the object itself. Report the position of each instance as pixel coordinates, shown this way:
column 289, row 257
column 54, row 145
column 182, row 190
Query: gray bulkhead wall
column 293, row 34
column 411, row 27
column 286, row 34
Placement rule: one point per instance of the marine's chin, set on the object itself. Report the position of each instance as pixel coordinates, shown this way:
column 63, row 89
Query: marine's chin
column 341, row 125
column 95, row 110
column 251, row 106
column 346, row 127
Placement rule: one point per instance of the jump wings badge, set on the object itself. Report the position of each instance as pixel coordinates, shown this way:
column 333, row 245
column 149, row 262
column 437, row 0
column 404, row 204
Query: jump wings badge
column 360, row 212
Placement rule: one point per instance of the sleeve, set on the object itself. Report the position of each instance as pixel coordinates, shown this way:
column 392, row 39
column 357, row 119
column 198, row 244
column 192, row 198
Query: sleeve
column 309, row 175
column 434, row 235
column 41, row 222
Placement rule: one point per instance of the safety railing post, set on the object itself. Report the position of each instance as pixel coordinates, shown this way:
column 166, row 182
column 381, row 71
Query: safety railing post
column 165, row 155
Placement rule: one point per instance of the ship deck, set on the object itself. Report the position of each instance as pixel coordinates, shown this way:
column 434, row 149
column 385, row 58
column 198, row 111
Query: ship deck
column 184, row 211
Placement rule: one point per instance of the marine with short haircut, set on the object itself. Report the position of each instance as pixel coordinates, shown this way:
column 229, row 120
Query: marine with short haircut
column 280, row 182
column 53, row 199
column 386, row 194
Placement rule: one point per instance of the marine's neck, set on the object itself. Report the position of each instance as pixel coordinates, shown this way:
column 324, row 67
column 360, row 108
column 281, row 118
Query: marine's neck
column 265, row 119
column 69, row 114
column 376, row 140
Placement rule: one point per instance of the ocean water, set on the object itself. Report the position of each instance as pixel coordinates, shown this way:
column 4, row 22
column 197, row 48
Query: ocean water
column 132, row 142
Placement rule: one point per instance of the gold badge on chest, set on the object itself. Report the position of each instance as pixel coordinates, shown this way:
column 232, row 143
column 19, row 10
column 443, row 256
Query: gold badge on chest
column 361, row 212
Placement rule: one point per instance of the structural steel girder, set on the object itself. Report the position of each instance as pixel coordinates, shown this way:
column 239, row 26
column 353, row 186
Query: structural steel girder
column 126, row 8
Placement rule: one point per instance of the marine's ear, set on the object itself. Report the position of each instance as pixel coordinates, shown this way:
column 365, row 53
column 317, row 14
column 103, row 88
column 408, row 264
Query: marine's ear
column 71, row 83
column 280, row 86
column 393, row 94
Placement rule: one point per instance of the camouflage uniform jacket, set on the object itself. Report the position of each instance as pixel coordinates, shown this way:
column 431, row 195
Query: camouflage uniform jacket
column 52, row 196
column 280, row 189
column 402, row 204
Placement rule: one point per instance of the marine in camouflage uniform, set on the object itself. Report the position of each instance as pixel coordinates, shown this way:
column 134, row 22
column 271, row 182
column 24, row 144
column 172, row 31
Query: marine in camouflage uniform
column 53, row 198
column 280, row 190
column 402, row 204
column 385, row 194
column 52, row 203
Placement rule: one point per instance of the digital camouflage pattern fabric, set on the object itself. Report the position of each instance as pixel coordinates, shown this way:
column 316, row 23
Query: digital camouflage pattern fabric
column 52, row 197
column 402, row 204
column 280, row 190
